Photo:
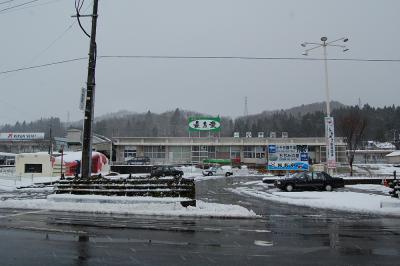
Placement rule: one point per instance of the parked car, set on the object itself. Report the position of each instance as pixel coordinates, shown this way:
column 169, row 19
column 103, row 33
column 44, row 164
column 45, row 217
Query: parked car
column 309, row 181
column 218, row 170
column 165, row 170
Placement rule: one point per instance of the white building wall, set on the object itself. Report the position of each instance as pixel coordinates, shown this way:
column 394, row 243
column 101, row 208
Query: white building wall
column 21, row 160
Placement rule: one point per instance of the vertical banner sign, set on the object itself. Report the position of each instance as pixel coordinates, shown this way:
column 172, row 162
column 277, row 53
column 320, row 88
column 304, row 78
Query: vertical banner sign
column 204, row 124
column 82, row 99
column 330, row 142
column 288, row 157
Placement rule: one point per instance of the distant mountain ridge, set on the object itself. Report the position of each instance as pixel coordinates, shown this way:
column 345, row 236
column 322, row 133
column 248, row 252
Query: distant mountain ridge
column 307, row 108
column 305, row 120
column 297, row 110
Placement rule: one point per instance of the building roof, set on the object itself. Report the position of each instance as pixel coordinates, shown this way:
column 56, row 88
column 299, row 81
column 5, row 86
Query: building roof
column 223, row 141
column 7, row 154
column 393, row 154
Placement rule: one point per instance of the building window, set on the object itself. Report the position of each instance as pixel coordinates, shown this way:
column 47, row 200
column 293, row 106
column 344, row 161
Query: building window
column 235, row 152
column 249, row 152
column 260, row 152
column 33, row 168
column 154, row 152
column 254, row 152
column 129, row 154
column 179, row 154
column 222, row 152
column 199, row 153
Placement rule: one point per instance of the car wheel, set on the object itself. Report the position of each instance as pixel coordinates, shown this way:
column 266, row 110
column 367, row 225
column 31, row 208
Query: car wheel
column 328, row 188
column 227, row 174
column 289, row 188
column 210, row 173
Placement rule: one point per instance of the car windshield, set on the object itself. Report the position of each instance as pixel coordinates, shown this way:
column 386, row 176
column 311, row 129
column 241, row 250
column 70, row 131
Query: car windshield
column 298, row 175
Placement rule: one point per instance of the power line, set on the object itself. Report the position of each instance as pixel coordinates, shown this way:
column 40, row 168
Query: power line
column 248, row 58
column 32, row 6
column 43, row 65
column 5, row 2
column 56, row 39
column 19, row 5
column 200, row 58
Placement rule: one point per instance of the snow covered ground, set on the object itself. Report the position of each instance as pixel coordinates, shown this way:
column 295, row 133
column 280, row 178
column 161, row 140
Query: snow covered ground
column 371, row 188
column 337, row 200
column 9, row 198
column 361, row 198
column 376, row 169
column 129, row 205
column 11, row 183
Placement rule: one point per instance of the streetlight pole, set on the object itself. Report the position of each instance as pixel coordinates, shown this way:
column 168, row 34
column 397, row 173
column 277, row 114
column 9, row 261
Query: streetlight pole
column 329, row 122
column 328, row 107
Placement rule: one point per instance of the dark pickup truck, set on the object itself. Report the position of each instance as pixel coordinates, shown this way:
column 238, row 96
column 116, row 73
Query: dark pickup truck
column 309, row 181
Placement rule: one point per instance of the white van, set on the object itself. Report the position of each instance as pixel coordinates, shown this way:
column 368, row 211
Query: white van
column 225, row 170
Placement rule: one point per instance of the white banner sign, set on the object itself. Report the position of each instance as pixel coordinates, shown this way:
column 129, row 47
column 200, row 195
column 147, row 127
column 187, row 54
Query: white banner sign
column 21, row 136
column 82, row 101
column 330, row 142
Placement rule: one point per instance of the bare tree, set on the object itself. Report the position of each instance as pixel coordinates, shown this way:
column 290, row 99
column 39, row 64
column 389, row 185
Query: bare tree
column 352, row 127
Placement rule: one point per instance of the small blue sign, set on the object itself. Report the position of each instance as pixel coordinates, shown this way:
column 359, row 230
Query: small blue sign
column 271, row 148
column 304, row 156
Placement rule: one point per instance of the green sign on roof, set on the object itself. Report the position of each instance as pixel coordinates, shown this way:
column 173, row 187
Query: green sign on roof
column 204, row 123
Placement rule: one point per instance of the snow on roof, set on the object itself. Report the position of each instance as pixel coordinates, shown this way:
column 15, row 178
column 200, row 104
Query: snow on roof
column 385, row 145
column 7, row 154
column 74, row 156
column 392, row 154
column 33, row 153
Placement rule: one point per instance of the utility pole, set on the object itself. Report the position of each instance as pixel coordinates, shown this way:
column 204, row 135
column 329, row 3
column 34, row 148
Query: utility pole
column 86, row 163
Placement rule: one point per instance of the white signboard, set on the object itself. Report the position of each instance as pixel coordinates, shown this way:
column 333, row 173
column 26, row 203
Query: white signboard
column 236, row 134
column 21, row 136
column 272, row 134
column 285, row 135
column 82, row 102
column 260, row 134
column 330, row 142
column 248, row 134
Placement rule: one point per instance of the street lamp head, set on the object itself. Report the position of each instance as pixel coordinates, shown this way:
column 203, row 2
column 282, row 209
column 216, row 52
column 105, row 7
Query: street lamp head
column 345, row 39
column 303, row 44
column 345, row 49
column 324, row 39
column 305, row 53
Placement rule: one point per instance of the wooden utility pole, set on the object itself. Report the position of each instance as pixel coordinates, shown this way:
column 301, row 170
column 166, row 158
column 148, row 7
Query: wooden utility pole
column 90, row 94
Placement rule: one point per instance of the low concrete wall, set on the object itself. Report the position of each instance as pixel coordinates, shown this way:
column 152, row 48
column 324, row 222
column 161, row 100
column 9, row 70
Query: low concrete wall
column 131, row 169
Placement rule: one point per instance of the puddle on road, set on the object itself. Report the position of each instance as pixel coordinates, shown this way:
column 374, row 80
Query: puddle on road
column 263, row 243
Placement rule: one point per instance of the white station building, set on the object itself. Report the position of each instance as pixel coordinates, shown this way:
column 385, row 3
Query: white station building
column 184, row 150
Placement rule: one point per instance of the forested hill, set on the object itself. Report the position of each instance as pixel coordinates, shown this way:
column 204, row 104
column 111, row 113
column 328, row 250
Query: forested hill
column 301, row 121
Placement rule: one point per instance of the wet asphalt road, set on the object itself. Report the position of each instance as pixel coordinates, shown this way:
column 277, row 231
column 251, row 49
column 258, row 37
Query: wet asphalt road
column 285, row 235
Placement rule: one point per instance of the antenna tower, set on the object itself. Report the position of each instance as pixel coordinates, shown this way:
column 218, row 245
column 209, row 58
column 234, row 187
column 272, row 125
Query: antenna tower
column 246, row 110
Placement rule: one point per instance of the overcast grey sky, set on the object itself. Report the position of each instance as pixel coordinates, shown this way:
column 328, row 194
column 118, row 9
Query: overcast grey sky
column 259, row 28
